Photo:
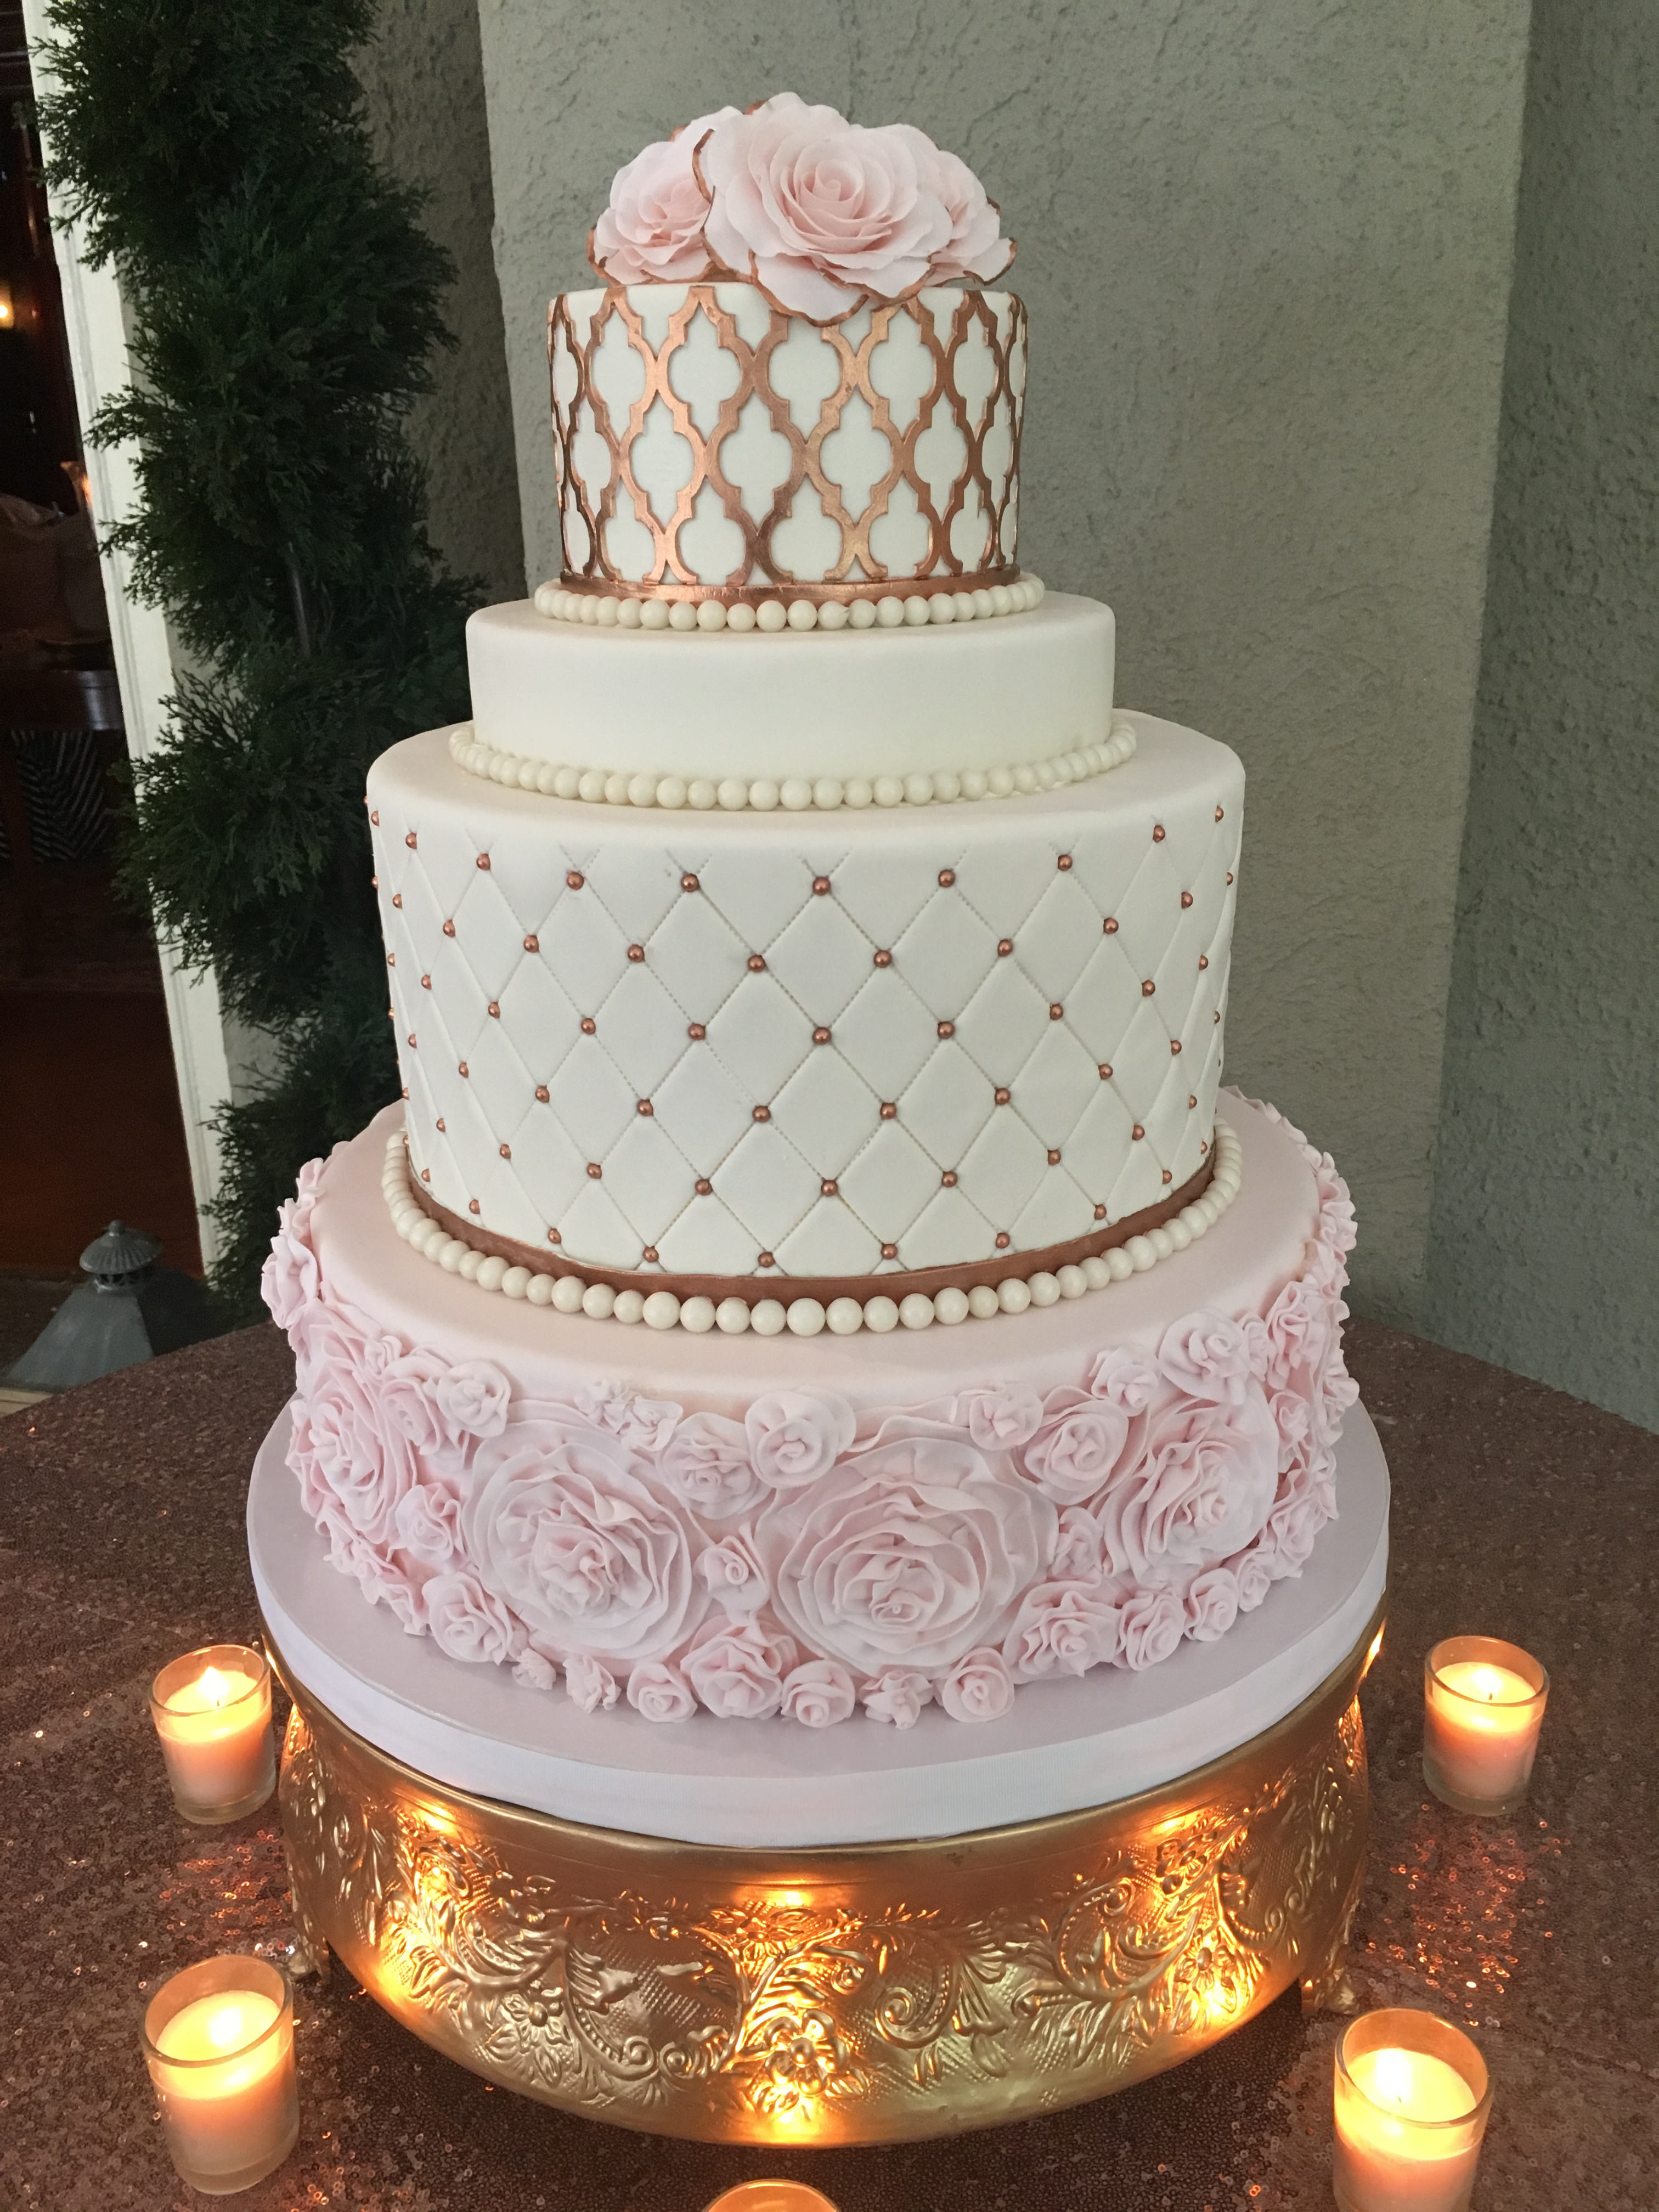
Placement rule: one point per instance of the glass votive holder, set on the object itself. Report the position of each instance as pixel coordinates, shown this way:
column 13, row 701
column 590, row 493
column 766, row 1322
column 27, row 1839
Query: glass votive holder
column 1412, row 2097
column 219, row 2043
column 212, row 1712
column 1482, row 1704
column 771, row 2197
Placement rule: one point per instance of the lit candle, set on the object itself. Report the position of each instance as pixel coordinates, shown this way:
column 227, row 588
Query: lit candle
column 771, row 2197
column 1412, row 2097
column 1483, row 1702
column 212, row 1712
column 219, row 2043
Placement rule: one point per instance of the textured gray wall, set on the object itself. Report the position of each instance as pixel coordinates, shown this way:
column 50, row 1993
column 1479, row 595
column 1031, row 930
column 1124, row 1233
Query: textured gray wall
column 1546, row 1256
column 424, row 82
column 1265, row 245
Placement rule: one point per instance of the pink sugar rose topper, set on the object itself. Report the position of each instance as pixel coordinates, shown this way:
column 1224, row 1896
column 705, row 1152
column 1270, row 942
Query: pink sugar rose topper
column 820, row 213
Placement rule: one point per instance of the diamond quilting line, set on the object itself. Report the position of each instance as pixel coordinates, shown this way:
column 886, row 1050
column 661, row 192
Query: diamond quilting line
column 736, row 963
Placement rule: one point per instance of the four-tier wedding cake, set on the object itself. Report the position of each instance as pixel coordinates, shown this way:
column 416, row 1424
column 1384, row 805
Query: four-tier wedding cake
column 827, row 1277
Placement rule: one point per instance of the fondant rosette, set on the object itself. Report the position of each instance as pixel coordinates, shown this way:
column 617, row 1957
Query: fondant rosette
column 821, row 214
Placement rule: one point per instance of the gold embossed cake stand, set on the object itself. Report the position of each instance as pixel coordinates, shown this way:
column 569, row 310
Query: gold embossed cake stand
column 859, row 1994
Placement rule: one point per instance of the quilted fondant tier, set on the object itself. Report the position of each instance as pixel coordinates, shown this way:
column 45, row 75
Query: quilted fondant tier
column 876, row 702
column 783, row 1046
column 706, row 443
column 753, row 1525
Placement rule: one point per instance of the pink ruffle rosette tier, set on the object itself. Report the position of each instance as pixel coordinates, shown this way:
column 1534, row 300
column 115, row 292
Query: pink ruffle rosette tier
column 804, row 1557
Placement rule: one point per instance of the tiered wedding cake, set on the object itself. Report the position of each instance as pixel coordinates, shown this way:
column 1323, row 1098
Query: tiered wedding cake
column 830, row 1284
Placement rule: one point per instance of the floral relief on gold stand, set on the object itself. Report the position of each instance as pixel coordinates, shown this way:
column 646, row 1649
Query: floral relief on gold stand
column 858, row 1994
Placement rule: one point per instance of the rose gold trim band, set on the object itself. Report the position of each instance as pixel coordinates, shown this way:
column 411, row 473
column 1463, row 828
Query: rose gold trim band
column 732, row 595
column 824, row 1288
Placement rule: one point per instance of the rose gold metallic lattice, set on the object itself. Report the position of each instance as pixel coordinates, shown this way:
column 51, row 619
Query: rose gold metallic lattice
column 856, row 572
column 858, row 1994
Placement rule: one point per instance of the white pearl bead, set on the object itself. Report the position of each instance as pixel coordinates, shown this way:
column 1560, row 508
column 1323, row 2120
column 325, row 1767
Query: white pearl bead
column 1000, row 783
column 916, row 1311
column 888, row 790
column 827, row 793
column 546, row 598
column 1072, row 1282
column 941, row 608
column 833, row 614
column 861, row 615
column 741, row 616
column 771, row 616
column 1194, row 1220
column 963, row 604
column 698, row 1315
column 915, row 611
column 803, row 615
column 859, row 791
column 547, row 780
column 1044, row 1288
column 629, row 1309
column 880, row 1316
column 540, row 1290
column 762, row 795
column 732, row 1316
column 983, row 1302
column 918, row 790
column 653, row 615
column 1025, row 778
column 599, row 1301
column 616, row 788
column 890, row 612
column 1121, row 1266
column 795, row 793
column 947, row 785
column 845, row 1316
column 605, row 614
column 973, row 784
column 642, row 790
column 1001, row 599
column 733, row 793
column 767, row 1317
column 590, row 610
column 950, row 1307
column 1179, row 1235
column 1013, row 1296
column 566, row 783
column 628, row 615
column 983, row 605
column 661, row 1311
column 1159, row 1240
column 1096, row 1274
column 1142, row 1254
column 701, row 793
column 1039, row 590
column 682, row 615
column 806, row 1316
column 671, row 791
column 489, row 1274
column 450, row 1255
column 711, row 615
column 515, row 1282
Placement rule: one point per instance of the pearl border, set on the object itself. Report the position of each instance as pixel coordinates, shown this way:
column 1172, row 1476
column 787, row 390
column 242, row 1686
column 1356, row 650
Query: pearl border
column 795, row 793
column 662, row 1310
column 916, row 610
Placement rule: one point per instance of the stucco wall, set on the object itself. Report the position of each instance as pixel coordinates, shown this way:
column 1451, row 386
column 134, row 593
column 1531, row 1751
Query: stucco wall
column 424, row 82
column 1545, row 1256
column 1265, row 245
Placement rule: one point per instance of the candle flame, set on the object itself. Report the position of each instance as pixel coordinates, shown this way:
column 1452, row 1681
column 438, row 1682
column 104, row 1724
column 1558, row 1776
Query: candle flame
column 1486, row 1682
column 1393, row 2077
column 214, row 1687
column 227, row 2028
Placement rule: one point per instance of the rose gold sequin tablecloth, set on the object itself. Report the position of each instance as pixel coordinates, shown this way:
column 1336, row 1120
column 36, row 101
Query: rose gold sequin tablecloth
column 1516, row 1513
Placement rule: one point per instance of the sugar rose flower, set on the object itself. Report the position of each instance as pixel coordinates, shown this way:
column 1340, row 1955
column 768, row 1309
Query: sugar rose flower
column 534, row 1670
column 646, row 1423
column 345, row 1456
column 427, row 1524
column 652, row 232
column 290, row 1279
column 733, row 1574
column 575, row 1531
column 660, row 1692
column 467, row 1620
column 1206, row 1355
column 1202, row 1490
column 897, row 1697
column 1079, row 1550
column 1153, row 1623
column 737, row 1669
column 1081, row 1441
column 473, row 1397
column 907, row 1555
column 997, row 1420
column 975, row 247
column 821, row 211
column 1125, row 1377
column 708, row 1466
column 1062, row 1628
column 1253, row 1571
column 979, row 1688
column 1300, row 1334
column 591, row 1684
column 819, row 1694
column 1212, row 1604
column 794, row 1438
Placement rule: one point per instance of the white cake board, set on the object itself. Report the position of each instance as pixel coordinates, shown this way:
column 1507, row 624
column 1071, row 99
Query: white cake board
column 1065, row 1746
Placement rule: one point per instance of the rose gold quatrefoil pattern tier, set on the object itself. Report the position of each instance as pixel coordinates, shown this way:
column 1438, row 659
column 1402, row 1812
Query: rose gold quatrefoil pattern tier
column 710, row 446
column 844, row 1994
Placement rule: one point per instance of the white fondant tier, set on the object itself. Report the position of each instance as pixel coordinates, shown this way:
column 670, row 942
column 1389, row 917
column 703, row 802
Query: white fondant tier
column 1065, row 1746
column 705, row 439
column 890, row 1042
column 719, row 706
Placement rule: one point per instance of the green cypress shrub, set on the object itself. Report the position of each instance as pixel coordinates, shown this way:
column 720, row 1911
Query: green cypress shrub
column 284, row 308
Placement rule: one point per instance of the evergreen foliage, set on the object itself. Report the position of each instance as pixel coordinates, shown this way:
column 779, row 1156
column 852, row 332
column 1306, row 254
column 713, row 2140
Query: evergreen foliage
column 284, row 307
